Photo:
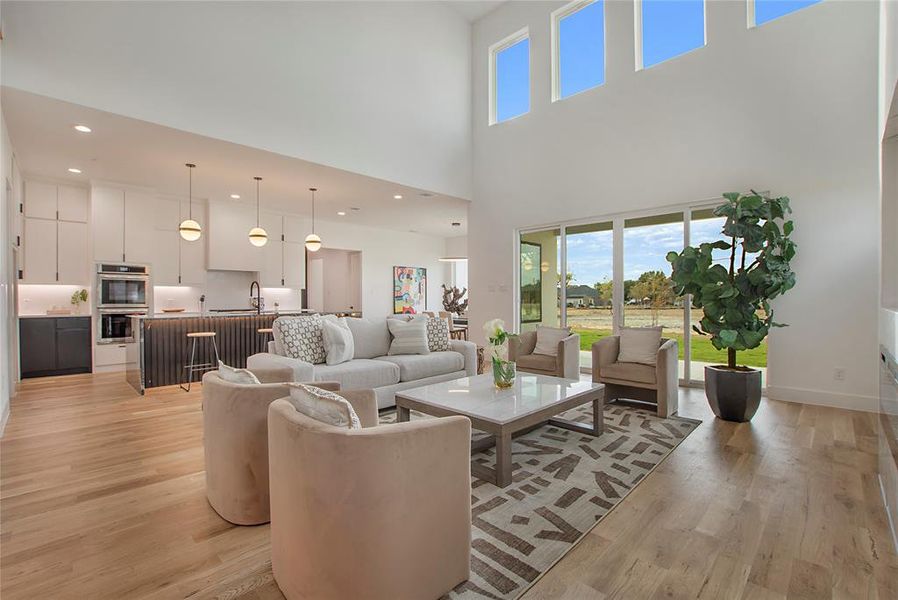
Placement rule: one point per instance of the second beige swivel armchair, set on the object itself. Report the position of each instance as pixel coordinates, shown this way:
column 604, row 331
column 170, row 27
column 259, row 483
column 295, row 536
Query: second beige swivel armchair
column 377, row 513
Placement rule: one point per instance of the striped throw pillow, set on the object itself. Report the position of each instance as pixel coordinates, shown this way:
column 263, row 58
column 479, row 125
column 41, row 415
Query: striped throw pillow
column 409, row 337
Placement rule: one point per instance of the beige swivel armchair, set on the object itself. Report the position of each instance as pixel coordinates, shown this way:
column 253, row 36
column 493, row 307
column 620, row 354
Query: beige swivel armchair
column 235, row 440
column 377, row 513
column 655, row 384
column 566, row 364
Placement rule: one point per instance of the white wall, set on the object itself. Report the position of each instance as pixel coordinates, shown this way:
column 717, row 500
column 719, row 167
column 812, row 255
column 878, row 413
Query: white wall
column 378, row 88
column 790, row 107
column 9, row 198
column 381, row 251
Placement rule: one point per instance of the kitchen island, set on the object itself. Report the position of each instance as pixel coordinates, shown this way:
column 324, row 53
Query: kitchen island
column 163, row 349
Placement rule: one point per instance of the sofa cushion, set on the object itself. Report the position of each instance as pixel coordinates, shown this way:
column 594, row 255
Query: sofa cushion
column 409, row 337
column 299, row 337
column 537, row 362
column 419, row 366
column 359, row 374
column 370, row 338
column 324, row 406
column 624, row 371
column 437, row 334
column 548, row 338
column 337, row 341
column 639, row 345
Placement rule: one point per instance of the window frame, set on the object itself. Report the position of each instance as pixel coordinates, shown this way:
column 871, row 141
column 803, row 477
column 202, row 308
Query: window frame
column 752, row 13
column 494, row 50
column 554, row 27
column 637, row 35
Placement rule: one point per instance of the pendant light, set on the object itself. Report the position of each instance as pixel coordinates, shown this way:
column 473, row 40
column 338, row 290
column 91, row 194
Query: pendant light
column 189, row 229
column 257, row 235
column 313, row 242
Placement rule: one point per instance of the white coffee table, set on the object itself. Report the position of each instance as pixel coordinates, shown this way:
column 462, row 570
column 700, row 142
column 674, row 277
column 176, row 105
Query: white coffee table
column 532, row 401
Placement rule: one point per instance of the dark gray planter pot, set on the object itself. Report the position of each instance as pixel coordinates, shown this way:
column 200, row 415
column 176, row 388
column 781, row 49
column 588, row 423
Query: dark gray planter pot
column 733, row 395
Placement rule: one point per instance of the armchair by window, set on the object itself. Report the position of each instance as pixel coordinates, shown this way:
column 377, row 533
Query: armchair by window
column 656, row 384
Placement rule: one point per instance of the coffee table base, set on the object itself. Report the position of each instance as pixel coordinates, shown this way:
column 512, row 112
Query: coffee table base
column 501, row 436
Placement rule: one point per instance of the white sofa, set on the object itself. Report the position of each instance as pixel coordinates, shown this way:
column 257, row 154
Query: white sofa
column 371, row 366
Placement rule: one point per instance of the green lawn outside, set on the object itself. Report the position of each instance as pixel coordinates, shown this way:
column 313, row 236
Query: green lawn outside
column 702, row 350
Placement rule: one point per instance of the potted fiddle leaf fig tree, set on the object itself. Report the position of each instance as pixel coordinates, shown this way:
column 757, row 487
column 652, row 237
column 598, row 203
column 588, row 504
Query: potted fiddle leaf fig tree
column 734, row 290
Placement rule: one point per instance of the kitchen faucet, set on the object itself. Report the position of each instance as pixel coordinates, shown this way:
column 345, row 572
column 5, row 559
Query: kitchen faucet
column 258, row 296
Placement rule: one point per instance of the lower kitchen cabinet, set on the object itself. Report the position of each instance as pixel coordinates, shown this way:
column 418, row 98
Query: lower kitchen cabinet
column 54, row 346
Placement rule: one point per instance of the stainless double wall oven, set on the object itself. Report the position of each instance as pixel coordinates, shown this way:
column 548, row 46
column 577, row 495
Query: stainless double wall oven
column 123, row 292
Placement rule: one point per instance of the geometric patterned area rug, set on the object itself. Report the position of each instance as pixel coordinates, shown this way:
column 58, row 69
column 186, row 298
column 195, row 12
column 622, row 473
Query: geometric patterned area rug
column 563, row 483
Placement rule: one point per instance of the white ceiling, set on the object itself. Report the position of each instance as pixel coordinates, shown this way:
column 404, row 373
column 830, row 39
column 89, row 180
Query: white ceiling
column 130, row 151
column 474, row 9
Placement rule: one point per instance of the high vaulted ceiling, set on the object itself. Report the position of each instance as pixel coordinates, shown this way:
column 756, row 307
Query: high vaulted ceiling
column 130, row 151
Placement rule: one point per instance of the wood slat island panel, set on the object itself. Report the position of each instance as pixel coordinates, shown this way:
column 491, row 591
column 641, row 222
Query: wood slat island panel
column 164, row 348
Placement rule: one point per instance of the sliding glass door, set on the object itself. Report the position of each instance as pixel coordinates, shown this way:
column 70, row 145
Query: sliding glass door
column 589, row 307
column 598, row 277
column 649, row 299
column 539, row 276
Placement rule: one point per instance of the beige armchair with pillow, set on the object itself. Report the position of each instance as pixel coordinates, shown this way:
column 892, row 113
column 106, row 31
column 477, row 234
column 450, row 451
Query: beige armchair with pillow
column 378, row 512
column 640, row 365
column 235, row 440
column 547, row 351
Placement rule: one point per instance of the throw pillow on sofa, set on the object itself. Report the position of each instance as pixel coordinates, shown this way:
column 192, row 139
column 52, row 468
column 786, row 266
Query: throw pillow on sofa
column 548, row 338
column 324, row 406
column 234, row 375
column 300, row 338
column 639, row 345
column 370, row 338
column 409, row 337
column 338, row 343
column 437, row 334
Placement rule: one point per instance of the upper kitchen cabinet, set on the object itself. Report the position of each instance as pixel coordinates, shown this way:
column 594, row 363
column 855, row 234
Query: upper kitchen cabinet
column 296, row 229
column 50, row 201
column 54, row 235
column 167, row 214
column 177, row 261
column 123, row 225
column 272, row 273
column 140, row 215
column 227, row 238
column 108, row 217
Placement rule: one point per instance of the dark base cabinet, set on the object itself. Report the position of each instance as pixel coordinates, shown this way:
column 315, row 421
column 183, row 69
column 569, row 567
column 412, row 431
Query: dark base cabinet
column 54, row 346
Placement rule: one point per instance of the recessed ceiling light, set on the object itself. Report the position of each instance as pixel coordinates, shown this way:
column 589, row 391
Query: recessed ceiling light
column 456, row 224
column 397, row 197
column 354, row 208
column 82, row 128
column 235, row 196
column 74, row 170
column 342, row 213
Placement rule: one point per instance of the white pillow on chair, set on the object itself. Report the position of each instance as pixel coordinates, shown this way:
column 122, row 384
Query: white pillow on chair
column 548, row 338
column 234, row 375
column 639, row 345
column 324, row 406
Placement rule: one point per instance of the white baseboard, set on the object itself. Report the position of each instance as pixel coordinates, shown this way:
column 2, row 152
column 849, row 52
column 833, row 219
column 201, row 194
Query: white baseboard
column 821, row 398
column 3, row 419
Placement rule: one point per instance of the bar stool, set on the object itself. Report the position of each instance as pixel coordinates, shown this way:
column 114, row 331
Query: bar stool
column 192, row 367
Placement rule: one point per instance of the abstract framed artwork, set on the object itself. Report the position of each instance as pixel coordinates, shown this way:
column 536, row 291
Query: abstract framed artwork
column 409, row 290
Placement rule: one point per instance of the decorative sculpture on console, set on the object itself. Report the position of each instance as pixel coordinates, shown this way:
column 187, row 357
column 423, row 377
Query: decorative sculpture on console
column 452, row 300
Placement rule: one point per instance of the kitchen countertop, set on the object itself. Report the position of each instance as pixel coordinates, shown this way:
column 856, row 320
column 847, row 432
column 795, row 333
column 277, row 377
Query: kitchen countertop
column 209, row 314
column 46, row 316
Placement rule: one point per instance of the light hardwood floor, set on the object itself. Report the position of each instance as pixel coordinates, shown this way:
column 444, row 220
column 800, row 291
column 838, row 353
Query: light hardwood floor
column 102, row 496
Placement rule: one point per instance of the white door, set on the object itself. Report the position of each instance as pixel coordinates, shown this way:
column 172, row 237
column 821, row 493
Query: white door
column 108, row 217
column 73, row 253
column 40, row 251
column 140, row 218
column 73, row 203
column 165, row 267
column 40, row 200
column 294, row 265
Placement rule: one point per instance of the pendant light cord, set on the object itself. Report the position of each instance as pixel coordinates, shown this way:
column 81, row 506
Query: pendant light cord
column 313, row 208
column 258, row 201
column 190, row 190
